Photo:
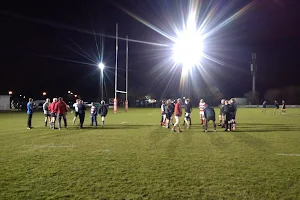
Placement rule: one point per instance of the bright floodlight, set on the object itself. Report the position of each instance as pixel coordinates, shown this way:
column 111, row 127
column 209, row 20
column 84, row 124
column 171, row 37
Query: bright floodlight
column 188, row 47
column 101, row 66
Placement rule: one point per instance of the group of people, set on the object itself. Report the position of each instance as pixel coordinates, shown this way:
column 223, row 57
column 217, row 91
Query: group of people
column 227, row 114
column 276, row 105
column 58, row 109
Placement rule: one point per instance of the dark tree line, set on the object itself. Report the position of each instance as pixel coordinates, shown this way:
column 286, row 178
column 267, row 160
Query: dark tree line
column 290, row 94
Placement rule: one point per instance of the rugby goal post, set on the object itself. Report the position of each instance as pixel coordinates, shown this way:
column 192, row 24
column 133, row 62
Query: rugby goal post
column 116, row 76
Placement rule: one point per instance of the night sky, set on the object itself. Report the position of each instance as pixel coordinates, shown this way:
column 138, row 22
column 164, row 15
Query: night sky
column 38, row 37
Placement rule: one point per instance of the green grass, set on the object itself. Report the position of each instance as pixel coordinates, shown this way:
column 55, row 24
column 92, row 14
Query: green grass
column 132, row 157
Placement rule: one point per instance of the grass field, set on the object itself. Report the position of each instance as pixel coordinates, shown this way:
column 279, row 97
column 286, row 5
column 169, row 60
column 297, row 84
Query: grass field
column 132, row 157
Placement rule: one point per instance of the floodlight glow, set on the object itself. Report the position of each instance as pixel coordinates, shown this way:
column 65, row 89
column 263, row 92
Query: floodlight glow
column 101, row 66
column 188, row 47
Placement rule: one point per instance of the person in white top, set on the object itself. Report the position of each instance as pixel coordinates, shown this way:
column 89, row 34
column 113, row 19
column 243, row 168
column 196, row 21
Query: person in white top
column 163, row 114
column 202, row 106
column 46, row 111
column 75, row 105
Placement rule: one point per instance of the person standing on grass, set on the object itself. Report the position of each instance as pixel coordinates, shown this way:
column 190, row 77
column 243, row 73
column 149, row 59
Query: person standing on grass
column 171, row 110
column 103, row 112
column 178, row 114
column 188, row 111
column 283, row 107
column 233, row 120
column 168, row 112
column 229, row 111
column 94, row 113
column 264, row 107
column 29, row 113
column 81, row 113
column 62, row 109
column 222, row 114
column 202, row 106
column 276, row 104
column 75, row 105
column 53, row 113
column 46, row 111
column 163, row 114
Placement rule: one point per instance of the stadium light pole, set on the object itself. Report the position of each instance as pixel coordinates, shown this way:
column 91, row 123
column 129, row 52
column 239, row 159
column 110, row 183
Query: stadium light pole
column 101, row 67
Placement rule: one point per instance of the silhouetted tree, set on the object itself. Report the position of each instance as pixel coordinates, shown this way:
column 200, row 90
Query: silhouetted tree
column 272, row 95
column 252, row 97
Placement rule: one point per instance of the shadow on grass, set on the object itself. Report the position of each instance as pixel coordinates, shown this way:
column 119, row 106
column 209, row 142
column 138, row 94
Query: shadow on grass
column 252, row 141
column 106, row 127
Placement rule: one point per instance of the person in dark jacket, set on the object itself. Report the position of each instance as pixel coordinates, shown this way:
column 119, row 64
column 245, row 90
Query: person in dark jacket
column 264, row 107
column 188, row 111
column 29, row 113
column 81, row 113
column 222, row 114
column 168, row 112
column 276, row 105
column 209, row 115
column 171, row 110
column 103, row 111
column 283, row 107
column 234, row 105
column 229, row 115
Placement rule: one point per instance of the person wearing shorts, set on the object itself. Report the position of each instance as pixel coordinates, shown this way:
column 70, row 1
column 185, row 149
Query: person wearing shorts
column 52, row 110
column 222, row 114
column 276, row 104
column 103, row 110
column 282, row 107
column 188, row 111
column 168, row 113
column 178, row 114
column 75, row 105
column 46, row 111
column 229, row 115
column 202, row 106
column 264, row 107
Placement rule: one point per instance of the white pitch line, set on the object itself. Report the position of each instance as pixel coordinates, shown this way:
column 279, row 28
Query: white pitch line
column 282, row 154
column 123, row 122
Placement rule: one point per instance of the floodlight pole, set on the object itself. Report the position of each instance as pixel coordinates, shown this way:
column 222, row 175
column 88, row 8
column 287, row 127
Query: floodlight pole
column 253, row 71
column 102, row 80
column 126, row 101
column 116, row 72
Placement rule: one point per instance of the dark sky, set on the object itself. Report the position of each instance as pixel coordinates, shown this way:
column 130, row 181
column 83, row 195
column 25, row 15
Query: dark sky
column 33, row 33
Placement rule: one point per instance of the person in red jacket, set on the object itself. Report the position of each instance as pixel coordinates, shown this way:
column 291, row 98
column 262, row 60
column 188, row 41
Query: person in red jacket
column 52, row 110
column 178, row 114
column 62, row 109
